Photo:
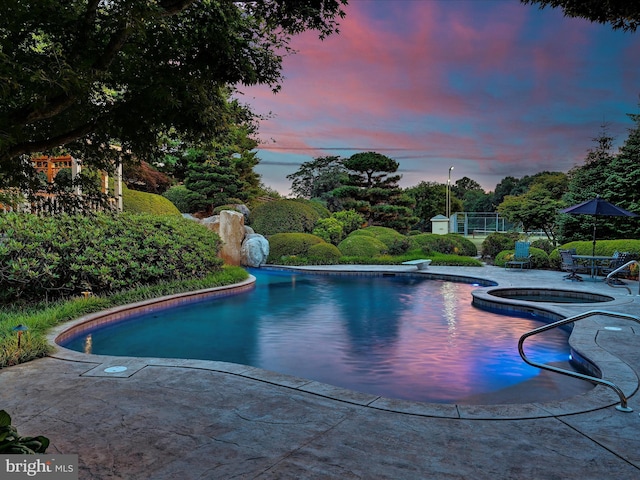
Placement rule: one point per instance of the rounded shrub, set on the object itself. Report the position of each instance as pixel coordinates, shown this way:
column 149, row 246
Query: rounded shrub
column 386, row 235
column 362, row 245
column 324, row 254
column 497, row 242
column 451, row 243
column 290, row 244
column 283, row 216
column 141, row 202
column 62, row 255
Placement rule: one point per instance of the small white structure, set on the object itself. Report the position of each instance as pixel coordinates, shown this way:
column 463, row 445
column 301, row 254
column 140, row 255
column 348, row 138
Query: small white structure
column 440, row 225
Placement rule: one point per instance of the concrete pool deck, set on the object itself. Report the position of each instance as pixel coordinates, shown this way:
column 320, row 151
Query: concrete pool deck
column 166, row 419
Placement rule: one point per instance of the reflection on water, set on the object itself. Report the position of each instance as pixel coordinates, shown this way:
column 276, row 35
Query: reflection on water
column 399, row 337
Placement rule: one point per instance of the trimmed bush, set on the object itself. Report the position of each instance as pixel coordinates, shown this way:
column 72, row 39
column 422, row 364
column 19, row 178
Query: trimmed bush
column 60, row 256
column 386, row 235
column 603, row 247
column 324, row 254
column 451, row 243
column 290, row 244
column 497, row 242
column 362, row 245
column 141, row 202
column 283, row 216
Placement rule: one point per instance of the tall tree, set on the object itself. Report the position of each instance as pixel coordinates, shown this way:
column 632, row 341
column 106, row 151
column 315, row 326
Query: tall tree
column 430, row 200
column 538, row 208
column 620, row 14
column 86, row 74
column 622, row 185
column 374, row 193
column 318, row 177
column 586, row 181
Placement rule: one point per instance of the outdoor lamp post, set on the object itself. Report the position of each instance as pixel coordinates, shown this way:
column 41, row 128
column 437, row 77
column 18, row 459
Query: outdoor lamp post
column 20, row 328
column 449, row 193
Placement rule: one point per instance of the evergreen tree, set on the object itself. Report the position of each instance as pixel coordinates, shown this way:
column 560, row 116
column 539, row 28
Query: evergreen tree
column 586, row 182
column 374, row 193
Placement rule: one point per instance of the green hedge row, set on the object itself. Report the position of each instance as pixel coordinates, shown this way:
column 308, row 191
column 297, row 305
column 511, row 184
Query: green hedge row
column 59, row 256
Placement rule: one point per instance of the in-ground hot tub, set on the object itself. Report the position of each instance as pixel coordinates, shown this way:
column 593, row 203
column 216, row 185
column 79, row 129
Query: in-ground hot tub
column 549, row 295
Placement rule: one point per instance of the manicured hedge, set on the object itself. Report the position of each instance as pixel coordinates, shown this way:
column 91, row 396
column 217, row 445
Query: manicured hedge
column 283, row 216
column 359, row 245
column 324, row 254
column 498, row 242
column 603, row 248
column 451, row 243
column 290, row 244
column 59, row 256
column 134, row 201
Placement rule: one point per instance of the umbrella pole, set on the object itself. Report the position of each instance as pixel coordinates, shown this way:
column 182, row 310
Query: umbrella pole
column 593, row 251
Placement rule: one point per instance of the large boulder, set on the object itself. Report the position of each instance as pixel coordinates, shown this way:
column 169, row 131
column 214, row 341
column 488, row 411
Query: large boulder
column 231, row 231
column 255, row 250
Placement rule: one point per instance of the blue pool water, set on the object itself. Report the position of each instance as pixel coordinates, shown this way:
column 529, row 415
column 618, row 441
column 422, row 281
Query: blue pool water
column 396, row 336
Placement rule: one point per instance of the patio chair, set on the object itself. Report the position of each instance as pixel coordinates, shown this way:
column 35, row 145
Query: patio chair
column 617, row 261
column 570, row 265
column 521, row 257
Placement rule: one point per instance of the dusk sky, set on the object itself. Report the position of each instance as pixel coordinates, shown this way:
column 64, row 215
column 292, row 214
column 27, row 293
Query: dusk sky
column 490, row 87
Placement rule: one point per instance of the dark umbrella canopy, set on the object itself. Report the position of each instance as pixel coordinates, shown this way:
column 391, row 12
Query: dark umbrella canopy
column 597, row 207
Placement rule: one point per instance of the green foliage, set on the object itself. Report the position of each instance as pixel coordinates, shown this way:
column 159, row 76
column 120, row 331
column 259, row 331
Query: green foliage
column 283, row 216
column 87, row 75
column 429, row 198
column 373, row 193
column 290, row 244
column 134, row 201
column 324, row 254
column 321, row 210
column 386, row 235
column 41, row 316
column 362, row 245
column 451, row 243
column 350, row 220
column 184, row 199
column 318, row 177
column 13, row 444
column 60, row 256
column 603, row 248
column 497, row 242
column 539, row 258
column 543, row 244
column 621, row 15
column 330, row 230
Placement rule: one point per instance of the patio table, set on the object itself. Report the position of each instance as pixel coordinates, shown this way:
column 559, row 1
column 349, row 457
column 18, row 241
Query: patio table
column 594, row 262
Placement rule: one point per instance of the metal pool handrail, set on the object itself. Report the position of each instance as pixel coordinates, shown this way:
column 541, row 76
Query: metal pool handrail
column 623, row 399
column 619, row 269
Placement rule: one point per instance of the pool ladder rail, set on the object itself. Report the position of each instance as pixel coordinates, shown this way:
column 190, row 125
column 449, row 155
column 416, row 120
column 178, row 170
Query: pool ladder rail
column 609, row 278
column 623, row 407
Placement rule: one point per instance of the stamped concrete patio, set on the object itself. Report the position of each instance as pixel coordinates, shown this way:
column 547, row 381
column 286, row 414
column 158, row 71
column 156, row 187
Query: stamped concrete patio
column 186, row 419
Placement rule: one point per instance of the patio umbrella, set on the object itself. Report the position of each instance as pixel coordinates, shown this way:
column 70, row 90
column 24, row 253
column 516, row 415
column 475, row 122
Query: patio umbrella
column 597, row 207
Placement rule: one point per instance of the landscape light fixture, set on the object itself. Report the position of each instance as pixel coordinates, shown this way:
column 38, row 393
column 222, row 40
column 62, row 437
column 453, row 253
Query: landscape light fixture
column 20, row 329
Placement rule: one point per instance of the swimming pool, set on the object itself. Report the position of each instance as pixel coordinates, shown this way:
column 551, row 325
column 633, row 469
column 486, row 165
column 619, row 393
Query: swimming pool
column 398, row 336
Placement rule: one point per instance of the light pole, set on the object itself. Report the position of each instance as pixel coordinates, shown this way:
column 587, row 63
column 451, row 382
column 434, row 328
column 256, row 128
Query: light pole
column 449, row 193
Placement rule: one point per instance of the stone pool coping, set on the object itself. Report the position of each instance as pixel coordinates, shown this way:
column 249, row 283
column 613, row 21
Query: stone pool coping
column 583, row 341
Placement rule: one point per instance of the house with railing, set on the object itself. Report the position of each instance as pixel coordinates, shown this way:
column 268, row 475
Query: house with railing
column 52, row 202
